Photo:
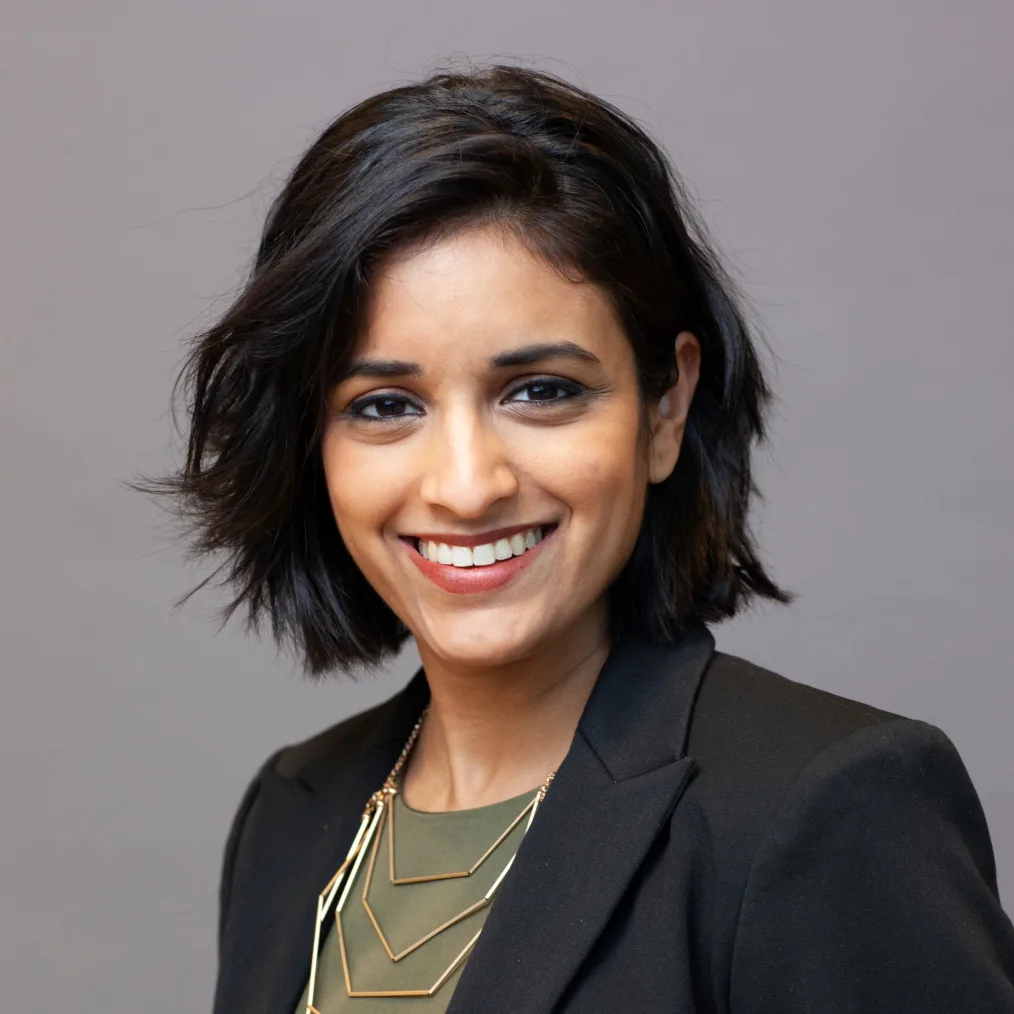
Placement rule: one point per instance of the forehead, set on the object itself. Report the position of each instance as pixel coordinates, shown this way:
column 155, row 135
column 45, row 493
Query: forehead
column 478, row 291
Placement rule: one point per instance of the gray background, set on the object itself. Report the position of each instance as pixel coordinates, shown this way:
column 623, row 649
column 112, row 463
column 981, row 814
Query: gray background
column 855, row 162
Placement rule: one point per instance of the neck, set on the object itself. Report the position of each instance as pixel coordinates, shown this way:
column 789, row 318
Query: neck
column 494, row 732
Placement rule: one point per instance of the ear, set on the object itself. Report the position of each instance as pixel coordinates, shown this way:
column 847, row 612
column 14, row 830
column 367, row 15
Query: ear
column 668, row 416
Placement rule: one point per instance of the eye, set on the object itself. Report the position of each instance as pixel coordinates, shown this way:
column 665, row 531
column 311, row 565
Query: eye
column 383, row 406
column 545, row 390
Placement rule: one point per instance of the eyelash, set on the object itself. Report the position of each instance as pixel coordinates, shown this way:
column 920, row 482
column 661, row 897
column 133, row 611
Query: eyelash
column 571, row 389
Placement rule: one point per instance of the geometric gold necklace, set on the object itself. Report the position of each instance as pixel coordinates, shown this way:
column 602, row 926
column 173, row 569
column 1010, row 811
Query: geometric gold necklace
column 378, row 813
column 446, row 876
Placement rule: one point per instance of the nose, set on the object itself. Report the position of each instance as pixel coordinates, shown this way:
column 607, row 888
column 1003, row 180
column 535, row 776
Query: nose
column 467, row 469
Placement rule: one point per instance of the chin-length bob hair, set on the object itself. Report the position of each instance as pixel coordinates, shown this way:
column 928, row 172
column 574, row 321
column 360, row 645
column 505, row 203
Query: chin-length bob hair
column 583, row 186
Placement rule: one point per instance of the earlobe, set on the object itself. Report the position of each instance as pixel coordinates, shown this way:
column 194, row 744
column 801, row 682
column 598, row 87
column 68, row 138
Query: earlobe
column 665, row 450
column 666, row 436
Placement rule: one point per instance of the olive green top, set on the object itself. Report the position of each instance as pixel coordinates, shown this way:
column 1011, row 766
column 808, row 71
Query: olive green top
column 425, row 844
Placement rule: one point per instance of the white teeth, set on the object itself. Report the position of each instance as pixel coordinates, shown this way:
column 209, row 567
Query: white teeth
column 484, row 555
column 479, row 556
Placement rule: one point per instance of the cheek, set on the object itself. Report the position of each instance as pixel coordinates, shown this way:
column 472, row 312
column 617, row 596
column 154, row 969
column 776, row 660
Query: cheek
column 607, row 498
column 362, row 495
column 599, row 471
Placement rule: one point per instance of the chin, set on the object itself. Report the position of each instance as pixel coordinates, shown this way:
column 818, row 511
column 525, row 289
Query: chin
column 480, row 641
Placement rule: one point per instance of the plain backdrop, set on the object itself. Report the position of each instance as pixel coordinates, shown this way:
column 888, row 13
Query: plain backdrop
column 855, row 163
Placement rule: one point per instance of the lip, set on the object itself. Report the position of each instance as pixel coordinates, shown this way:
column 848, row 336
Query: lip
column 475, row 580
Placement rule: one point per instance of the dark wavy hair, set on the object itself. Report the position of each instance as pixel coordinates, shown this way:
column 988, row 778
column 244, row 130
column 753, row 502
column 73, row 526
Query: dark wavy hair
column 578, row 182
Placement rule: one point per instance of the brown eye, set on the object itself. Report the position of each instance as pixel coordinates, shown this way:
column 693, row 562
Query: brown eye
column 545, row 390
column 383, row 407
column 542, row 392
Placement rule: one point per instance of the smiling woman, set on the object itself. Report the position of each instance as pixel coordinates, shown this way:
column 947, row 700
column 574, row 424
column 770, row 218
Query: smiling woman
column 446, row 439
column 489, row 387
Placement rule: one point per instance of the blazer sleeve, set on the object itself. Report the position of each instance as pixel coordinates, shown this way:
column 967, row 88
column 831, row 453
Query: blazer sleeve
column 874, row 890
column 232, row 846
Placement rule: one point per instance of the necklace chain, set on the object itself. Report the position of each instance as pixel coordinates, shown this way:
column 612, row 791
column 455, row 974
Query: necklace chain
column 390, row 786
column 337, row 890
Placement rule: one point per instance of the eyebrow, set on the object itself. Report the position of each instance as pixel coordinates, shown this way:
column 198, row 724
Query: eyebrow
column 526, row 355
column 382, row 368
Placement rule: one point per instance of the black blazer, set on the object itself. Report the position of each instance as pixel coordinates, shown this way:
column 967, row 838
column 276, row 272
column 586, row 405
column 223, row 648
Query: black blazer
column 717, row 839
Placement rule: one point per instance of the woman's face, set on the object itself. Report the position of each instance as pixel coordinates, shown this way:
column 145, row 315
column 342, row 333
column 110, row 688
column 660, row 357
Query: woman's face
column 483, row 455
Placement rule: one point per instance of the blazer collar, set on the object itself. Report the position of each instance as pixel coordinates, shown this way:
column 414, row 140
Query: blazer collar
column 617, row 787
column 638, row 715
column 623, row 775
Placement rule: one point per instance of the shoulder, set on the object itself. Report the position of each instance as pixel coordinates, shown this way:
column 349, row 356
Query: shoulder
column 337, row 745
column 819, row 817
column 322, row 759
column 756, row 737
column 761, row 740
column 749, row 719
column 771, row 752
column 336, row 748
column 330, row 762
column 840, row 835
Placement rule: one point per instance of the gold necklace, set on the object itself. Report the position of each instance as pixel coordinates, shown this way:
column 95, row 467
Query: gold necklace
column 380, row 809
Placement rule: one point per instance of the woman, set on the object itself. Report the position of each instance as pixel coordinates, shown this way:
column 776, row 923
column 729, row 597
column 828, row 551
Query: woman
column 488, row 387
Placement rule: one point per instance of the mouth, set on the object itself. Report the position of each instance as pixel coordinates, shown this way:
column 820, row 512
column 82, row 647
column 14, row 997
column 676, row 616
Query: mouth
column 470, row 564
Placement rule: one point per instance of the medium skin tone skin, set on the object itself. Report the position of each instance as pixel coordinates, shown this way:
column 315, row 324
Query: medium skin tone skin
column 441, row 430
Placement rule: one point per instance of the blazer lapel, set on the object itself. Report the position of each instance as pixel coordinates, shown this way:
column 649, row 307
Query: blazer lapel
column 623, row 776
column 313, row 818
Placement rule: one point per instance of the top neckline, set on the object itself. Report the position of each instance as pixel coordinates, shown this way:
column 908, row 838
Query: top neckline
column 514, row 801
